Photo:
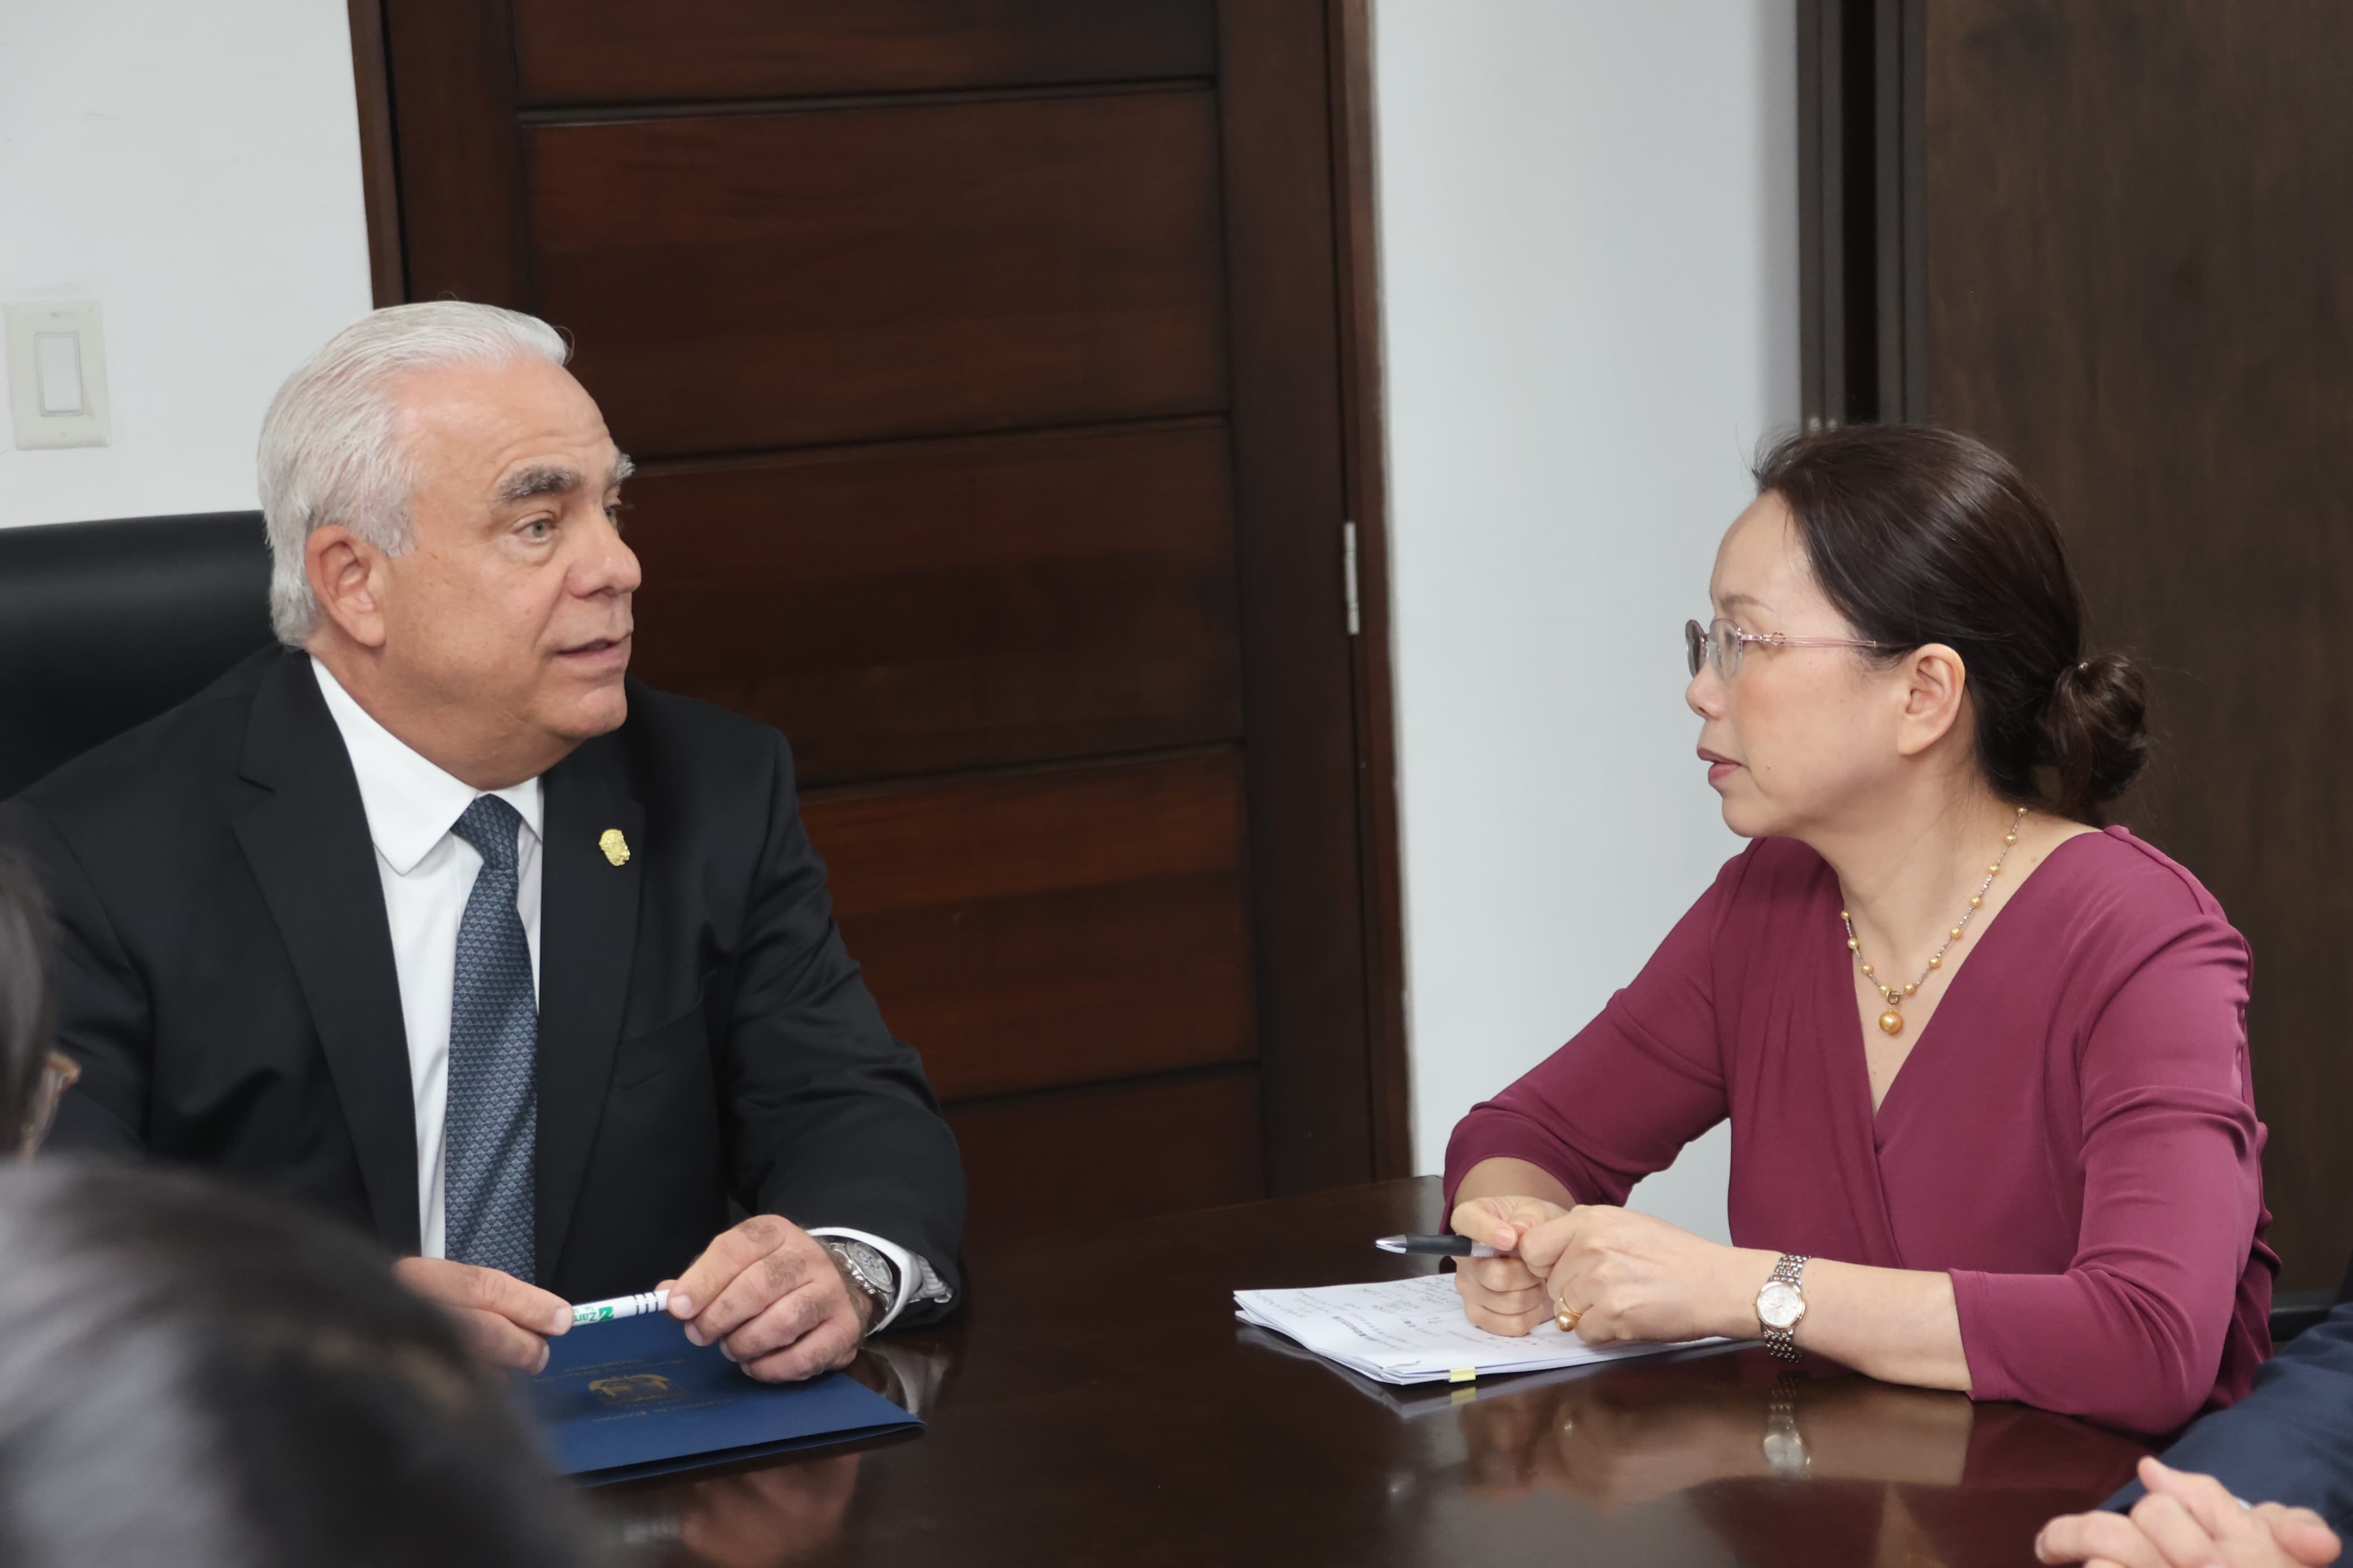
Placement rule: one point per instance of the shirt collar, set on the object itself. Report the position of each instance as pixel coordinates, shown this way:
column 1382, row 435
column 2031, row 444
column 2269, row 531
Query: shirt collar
column 410, row 804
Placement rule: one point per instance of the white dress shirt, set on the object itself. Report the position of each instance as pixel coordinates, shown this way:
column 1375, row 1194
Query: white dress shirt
column 426, row 873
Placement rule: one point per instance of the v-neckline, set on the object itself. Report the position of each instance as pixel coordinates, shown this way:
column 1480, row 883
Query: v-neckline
column 1875, row 1116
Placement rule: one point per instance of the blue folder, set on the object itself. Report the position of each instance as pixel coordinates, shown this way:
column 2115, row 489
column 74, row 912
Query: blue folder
column 621, row 1400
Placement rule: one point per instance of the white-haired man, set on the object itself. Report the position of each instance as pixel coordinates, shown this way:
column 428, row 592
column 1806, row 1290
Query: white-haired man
column 435, row 917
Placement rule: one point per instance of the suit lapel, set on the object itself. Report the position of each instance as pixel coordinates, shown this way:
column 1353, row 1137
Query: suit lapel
column 588, row 927
column 309, row 846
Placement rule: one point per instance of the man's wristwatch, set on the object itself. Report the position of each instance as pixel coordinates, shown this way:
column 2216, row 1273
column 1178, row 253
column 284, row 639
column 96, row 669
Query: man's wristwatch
column 1781, row 1306
column 866, row 1268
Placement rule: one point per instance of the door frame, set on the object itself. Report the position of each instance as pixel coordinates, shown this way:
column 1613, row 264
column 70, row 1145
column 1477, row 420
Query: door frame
column 1862, row 296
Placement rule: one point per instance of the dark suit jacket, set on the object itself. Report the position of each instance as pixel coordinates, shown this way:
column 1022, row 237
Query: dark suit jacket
column 2291, row 1439
column 227, row 986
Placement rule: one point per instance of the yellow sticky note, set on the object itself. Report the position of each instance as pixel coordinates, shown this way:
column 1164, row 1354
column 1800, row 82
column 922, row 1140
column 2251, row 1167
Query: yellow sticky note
column 1461, row 1374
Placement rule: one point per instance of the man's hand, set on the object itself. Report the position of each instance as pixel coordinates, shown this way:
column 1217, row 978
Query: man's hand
column 1633, row 1276
column 2189, row 1521
column 1501, row 1295
column 506, row 1322
column 773, row 1301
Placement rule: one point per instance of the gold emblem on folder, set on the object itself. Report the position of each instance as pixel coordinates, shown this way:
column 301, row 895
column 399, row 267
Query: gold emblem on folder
column 615, row 848
column 637, row 1388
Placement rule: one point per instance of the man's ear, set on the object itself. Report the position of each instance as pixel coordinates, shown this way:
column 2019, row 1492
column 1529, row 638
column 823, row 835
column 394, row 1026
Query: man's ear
column 346, row 576
column 1936, row 692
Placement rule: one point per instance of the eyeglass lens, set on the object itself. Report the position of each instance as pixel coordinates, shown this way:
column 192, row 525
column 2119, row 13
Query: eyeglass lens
column 1713, row 644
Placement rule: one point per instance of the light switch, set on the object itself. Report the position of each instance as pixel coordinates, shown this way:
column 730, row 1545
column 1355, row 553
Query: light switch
column 57, row 360
column 57, row 374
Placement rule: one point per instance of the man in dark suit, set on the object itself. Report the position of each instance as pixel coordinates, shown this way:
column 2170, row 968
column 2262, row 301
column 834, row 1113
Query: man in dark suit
column 435, row 917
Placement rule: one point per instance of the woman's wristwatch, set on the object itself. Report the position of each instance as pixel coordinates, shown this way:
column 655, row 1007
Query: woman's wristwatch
column 1781, row 1306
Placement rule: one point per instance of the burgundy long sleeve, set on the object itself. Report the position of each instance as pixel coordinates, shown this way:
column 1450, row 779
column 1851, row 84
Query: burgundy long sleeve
column 2073, row 1137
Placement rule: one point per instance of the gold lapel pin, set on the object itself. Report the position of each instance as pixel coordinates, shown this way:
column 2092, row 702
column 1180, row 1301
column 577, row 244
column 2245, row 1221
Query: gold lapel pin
column 615, row 848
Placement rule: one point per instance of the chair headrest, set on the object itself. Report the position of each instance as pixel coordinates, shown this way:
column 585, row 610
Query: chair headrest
column 105, row 625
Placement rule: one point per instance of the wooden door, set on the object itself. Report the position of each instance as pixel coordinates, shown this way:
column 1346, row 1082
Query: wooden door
column 983, row 365
column 2126, row 265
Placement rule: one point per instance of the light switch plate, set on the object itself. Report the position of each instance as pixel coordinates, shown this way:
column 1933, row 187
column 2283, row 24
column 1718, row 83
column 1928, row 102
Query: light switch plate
column 57, row 374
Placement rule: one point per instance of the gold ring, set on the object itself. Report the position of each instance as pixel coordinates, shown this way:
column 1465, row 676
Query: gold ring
column 1567, row 1317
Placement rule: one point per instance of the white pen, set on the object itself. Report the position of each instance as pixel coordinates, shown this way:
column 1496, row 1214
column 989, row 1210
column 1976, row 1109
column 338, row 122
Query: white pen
column 644, row 1301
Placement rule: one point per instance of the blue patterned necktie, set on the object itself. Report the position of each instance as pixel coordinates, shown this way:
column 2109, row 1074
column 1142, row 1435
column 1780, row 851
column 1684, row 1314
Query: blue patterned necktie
column 492, row 1121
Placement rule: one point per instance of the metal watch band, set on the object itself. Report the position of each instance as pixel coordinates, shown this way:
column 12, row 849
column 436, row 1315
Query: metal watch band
column 1782, row 1343
column 868, row 1269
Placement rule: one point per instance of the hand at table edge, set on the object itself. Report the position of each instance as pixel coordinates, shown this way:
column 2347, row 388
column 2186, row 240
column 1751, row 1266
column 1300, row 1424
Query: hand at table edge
column 2189, row 1518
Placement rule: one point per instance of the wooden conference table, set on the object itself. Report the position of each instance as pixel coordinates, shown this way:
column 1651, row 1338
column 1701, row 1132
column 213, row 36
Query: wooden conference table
column 1096, row 1402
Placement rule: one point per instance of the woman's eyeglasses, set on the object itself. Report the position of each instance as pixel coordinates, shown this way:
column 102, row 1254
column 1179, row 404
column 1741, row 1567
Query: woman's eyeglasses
column 58, row 1074
column 1720, row 644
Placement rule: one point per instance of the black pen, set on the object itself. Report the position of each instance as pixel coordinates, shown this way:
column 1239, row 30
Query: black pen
column 1435, row 1247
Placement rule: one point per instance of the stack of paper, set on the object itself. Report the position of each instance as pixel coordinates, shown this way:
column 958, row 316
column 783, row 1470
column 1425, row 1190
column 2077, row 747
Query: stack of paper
column 1413, row 1331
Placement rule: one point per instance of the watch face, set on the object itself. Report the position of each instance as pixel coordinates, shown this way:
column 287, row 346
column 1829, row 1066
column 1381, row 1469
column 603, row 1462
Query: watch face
column 868, row 1266
column 1779, row 1306
column 1784, row 1452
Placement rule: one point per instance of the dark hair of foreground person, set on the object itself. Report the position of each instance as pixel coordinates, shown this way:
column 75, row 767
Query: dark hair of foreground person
column 196, row 1376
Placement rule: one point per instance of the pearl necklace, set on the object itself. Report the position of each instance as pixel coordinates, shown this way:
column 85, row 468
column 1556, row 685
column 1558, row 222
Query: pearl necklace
column 1892, row 1021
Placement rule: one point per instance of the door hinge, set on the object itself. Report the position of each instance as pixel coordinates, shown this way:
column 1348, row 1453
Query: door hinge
column 1348, row 576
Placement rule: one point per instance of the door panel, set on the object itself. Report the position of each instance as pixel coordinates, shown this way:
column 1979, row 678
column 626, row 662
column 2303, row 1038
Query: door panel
column 1100, row 1156
column 916, row 609
column 784, row 279
column 626, row 51
column 1055, row 928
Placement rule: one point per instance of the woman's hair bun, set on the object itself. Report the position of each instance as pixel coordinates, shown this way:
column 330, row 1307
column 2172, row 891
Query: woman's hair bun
column 2094, row 733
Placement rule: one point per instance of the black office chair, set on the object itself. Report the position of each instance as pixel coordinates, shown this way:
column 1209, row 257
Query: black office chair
column 105, row 625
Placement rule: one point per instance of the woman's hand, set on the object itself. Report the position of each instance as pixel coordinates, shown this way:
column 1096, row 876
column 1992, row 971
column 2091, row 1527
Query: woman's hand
column 1631, row 1277
column 1501, row 1295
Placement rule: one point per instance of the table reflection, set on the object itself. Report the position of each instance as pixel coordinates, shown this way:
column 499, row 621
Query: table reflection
column 785, row 1512
column 1644, row 1432
column 770, row 1517
column 1815, row 1466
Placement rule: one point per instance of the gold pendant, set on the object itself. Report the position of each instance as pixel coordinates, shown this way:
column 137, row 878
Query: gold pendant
column 1891, row 1022
column 615, row 846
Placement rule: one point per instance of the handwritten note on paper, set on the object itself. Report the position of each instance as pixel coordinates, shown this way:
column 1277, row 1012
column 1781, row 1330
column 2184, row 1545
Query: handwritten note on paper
column 1413, row 1331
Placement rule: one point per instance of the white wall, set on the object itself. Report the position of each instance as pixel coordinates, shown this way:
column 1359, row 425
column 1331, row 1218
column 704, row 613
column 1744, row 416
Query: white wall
column 1588, row 255
column 193, row 168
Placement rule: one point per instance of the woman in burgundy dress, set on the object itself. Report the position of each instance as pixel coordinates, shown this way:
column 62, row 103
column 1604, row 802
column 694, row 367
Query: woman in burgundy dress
column 1986, row 1064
